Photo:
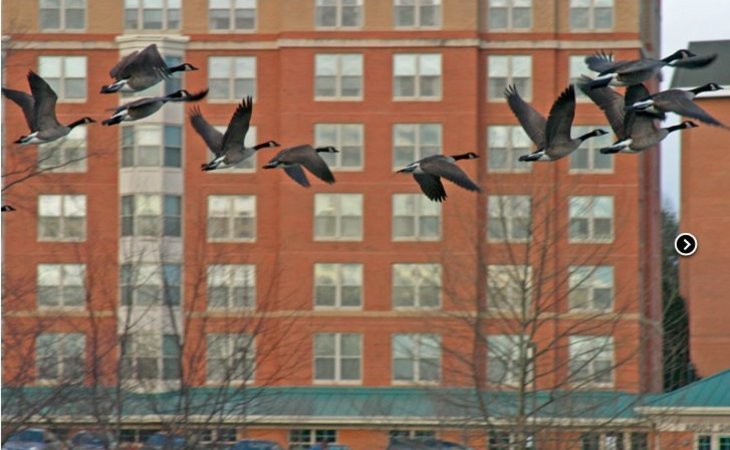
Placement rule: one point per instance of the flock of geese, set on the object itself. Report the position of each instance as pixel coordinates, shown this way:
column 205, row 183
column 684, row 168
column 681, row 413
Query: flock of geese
column 632, row 117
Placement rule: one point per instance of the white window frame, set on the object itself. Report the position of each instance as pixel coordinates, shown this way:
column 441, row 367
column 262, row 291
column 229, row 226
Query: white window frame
column 505, row 349
column 335, row 202
column 62, row 20
column 249, row 164
column 577, row 67
column 337, row 270
column 339, row 75
column 417, row 6
column 714, row 440
column 67, row 212
column 247, row 214
column 238, row 358
column 252, row 66
column 420, row 208
column 588, row 278
column 65, row 63
column 507, row 285
column 153, row 348
column 307, row 437
column 340, row 131
column 504, row 207
column 412, row 434
column 597, row 349
column 232, row 28
column 159, row 219
column 593, row 5
column 416, row 73
column 166, row 16
column 134, row 278
column 339, row 14
column 513, row 134
column 62, row 363
column 228, row 276
column 415, row 356
column 136, row 132
column 496, row 441
column 590, row 147
column 509, row 7
column 64, row 273
column 420, row 276
column 338, row 358
column 416, row 130
column 495, row 92
column 587, row 211
column 70, row 152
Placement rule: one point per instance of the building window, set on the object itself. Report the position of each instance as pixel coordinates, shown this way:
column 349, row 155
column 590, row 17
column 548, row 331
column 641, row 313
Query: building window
column 65, row 74
column 231, row 217
column 151, row 215
column 152, row 14
column 704, row 442
column 417, row 13
column 394, row 435
column 506, row 15
column 508, row 218
column 338, row 13
column 506, row 143
column 337, row 357
column 61, row 285
column 135, row 435
column 507, row 356
column 590, row 441
column 60, row 357
column 150, row 357
column 231, row 78
column 591, row 360
column 504, row 440
column 231, row 286
column 576, row 68
column 337, row 285
column 218, row 436
column 152, row 146
column 62, row 217
column 415, row 218
column 338, row 217
column 509, row 287
column 415, row 141
column 591, row 14
column 345, row 137
column 338, row 76
column 232, row 15
column 416, row 285
column 417, row 76
column 587, row 158
column 150, row 284
column 416, row 358
column 509, row 69
column 248, row 164
column 62, row 15
column 230, row 357
column 65, row 155
column 640, row 441
column 724, row 442
column 591, row 218
column 304, row 439
column 591, row 288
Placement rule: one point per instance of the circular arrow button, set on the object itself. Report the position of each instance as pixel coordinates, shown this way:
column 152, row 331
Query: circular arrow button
column 685, row 244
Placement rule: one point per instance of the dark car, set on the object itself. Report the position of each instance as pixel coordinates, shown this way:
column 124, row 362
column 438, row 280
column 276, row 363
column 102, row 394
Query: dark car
column 330, row 446
column 92, row 440
column 423, row 444
column 33, row 438
column 165, row 441
column 254, row 444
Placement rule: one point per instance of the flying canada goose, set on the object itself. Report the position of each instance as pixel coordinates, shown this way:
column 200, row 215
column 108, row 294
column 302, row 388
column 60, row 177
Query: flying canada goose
column 626, row 73
column 228, row 148
column 552, row 136
column 680, row 102
column 292, row 159
column 144, row 107
column 7, row 208
column 142, row 69
column 636, row 130
column 428, row 173
column 39, row 110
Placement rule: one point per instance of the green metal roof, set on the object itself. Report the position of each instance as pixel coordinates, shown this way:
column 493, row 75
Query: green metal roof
column 710, row 392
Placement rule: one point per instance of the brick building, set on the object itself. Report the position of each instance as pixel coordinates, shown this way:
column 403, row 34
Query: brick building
column 131, row 267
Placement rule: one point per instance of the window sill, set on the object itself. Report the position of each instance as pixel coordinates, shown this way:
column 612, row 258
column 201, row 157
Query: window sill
column 508, row 30
column 62, row 240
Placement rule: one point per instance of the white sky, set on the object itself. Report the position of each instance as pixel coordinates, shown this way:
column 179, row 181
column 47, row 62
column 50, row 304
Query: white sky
column 684, row 21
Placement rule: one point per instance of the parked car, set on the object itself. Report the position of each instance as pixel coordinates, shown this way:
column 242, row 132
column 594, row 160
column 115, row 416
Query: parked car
column 164, row 441
column 255, row 444
column 423, row 444
column 33, row 438
column 92, row 440
column 330, row 446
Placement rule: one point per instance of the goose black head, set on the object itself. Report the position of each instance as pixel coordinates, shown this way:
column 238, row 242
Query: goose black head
column 470, row 155
column 688, row 124
column 188, row 67
column 7, row 208
column 82, row 121
column 709, row 87
column 679, row 54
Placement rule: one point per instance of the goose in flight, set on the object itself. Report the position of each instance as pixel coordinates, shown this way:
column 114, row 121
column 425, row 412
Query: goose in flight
column 294, row 158
column 428, row 173
column 140, row 70
column 680, row 102
column 145, row 107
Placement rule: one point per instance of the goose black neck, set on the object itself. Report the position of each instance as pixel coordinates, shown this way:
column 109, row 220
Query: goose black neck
column 77, row 123
column 675, row 127
column 178, row 68
column 589, row 135
column 462, row 156
column 673, row 57
column 703, row 88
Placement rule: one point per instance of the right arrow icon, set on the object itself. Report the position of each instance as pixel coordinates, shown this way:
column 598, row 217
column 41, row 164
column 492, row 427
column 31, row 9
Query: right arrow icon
column 685, row 244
